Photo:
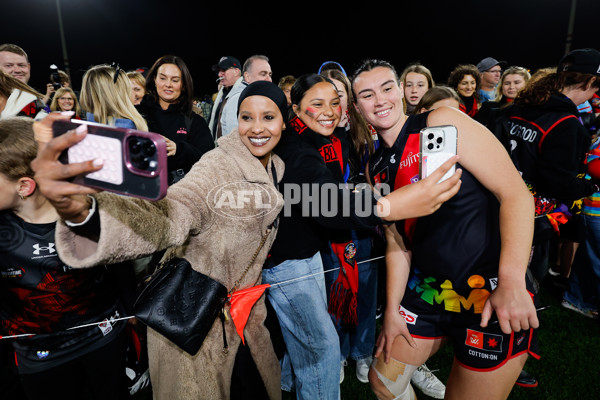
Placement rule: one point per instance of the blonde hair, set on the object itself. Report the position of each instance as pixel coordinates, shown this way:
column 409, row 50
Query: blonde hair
column 8, row 83
column 138, row 78
column 54, row 105
column 107, row 98
column 515, row 70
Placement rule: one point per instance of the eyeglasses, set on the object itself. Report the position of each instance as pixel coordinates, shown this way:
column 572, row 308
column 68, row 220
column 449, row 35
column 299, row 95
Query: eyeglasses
column 117, row 68
column 65, row 98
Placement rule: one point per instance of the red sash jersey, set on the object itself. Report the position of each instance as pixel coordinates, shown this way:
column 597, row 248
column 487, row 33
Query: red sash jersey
column 455, row 258
column 462, row 238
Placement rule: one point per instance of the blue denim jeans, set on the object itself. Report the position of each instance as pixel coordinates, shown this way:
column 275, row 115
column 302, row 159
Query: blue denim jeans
column 311, row 363
column 357, row 342
column 584, row 281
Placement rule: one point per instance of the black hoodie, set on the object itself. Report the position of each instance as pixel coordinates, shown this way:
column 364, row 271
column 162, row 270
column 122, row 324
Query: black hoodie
column 188, row 130
column 548, row 144
column 301, row 235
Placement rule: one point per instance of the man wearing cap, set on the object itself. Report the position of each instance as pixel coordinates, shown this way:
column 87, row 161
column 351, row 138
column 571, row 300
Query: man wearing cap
column 232, row 83
column 490, row 69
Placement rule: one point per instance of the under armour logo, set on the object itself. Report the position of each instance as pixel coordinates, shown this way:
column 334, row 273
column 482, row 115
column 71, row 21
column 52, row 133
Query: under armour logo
column 37, row 248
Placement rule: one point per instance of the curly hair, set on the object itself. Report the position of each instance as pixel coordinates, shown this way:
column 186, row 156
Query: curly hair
column 462, row 70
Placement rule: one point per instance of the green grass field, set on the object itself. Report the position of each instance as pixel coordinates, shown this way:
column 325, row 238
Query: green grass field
column 568, row 370
column 569, row 345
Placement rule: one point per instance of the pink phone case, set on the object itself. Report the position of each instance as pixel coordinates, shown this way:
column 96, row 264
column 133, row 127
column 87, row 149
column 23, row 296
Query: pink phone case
column 135, row 162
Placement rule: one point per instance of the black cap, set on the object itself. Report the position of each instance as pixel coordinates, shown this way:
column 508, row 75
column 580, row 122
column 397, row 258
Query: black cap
column 586, row 61
column 226, row 63
column 488, row 63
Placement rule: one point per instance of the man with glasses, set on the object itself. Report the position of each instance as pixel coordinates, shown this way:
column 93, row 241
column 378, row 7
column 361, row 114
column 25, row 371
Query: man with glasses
column 491, row 70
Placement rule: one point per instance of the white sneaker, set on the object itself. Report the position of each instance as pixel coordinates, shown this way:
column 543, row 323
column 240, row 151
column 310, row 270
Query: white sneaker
column 343, row 364
column 362, row 369
column 428, row 383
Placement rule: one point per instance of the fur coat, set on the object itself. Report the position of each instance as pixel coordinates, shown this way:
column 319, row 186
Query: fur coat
column 215, row 218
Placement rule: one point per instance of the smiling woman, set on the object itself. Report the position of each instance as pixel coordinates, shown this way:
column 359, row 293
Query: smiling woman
column 167, row 107
column 236, row 180
column 466, row 80
column 260, row 121
column 318, row 205
column 65, row 100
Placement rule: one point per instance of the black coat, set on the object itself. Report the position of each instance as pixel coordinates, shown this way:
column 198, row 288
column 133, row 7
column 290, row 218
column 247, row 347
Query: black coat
column 188, row 130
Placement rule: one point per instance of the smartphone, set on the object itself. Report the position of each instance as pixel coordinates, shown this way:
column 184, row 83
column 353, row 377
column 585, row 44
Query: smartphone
column 438, row 144
column 135, row 162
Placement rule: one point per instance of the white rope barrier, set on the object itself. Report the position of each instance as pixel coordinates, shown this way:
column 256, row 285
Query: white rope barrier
column 113, row 320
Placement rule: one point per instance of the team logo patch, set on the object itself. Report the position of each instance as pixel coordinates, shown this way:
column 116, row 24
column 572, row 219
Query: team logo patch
column 41, row 354
column 37, row 248
column 409, row 316
column 350, row 252
column 12, row 273
column 381, row 177
column 484, row 341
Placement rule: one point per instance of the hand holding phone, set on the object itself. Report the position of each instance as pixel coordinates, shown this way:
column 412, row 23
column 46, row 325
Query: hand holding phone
column 134, row 162
column 438, row 144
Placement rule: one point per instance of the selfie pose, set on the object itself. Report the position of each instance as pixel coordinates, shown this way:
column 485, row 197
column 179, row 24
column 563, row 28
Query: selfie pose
column 217, row 240
column 452, row 273
column 313, row 156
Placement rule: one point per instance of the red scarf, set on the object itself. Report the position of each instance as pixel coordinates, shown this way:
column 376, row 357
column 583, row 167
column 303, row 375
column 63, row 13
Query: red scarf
column 343, row 293
column 343, row 296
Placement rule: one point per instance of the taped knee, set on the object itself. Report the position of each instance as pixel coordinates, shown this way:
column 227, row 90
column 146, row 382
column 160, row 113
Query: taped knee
column 395, row 376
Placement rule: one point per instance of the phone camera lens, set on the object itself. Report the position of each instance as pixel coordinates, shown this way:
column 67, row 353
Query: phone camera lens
column 149, row 148
column 143, row 162
column 135, row 146
column 430, row 136
column 430, row 146
column 439, row 140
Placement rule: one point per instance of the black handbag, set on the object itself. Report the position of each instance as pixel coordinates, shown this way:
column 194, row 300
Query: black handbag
column 182, row 304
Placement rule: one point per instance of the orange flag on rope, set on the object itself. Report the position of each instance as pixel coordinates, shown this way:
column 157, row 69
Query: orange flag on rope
column 242, row 302
column 557, row 218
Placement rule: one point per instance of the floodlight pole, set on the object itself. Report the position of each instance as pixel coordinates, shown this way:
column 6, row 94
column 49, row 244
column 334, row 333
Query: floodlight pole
column 62, row 39
column 571, row 25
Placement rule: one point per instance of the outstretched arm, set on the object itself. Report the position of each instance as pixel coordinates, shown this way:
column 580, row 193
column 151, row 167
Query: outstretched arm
column 421, row 198
column 483, row 155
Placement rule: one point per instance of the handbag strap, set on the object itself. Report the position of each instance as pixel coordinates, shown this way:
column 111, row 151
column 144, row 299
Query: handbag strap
column 264, row 238
column 251, row 263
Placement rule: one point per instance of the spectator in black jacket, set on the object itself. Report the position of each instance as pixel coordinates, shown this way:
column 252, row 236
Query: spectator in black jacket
column 167, row 107
column 548, row 142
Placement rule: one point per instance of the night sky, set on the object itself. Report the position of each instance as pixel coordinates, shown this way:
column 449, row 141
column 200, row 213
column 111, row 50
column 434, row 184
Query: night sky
column 439, row 34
